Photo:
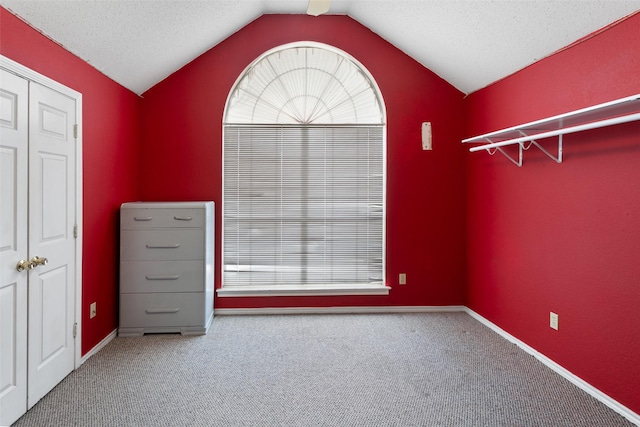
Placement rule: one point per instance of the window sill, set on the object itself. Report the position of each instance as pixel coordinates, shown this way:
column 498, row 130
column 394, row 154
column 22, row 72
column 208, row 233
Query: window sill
column 297, row 290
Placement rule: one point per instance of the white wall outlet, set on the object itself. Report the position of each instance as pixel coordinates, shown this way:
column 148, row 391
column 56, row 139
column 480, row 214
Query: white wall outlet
column 92, row 310
column 553, row 320
column 402, row 279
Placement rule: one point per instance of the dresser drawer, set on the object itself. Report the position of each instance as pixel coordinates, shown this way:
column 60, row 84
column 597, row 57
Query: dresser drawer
column 162, row 310
column 141, row 218
column 162, row 276
column 161, row 245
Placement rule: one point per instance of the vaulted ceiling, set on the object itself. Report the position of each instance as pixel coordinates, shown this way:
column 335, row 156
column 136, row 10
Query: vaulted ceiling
column 469, row 43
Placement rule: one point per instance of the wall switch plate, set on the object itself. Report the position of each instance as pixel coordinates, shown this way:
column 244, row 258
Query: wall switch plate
column 92, row 310
column 553, row 320
column 402, row 279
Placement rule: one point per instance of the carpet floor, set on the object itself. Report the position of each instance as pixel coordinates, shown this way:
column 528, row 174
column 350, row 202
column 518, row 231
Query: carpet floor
column 431, row 369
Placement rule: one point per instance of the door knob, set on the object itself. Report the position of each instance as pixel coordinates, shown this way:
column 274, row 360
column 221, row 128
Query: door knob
column 24, row 265
column 36, row 261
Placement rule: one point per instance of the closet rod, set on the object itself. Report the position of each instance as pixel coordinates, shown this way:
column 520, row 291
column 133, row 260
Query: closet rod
column 578, row 128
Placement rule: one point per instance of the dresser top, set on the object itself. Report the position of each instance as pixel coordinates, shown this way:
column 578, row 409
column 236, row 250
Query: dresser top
column 155, row 205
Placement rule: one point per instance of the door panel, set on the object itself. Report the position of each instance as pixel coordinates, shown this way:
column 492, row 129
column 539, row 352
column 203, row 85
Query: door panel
column 54, row 201
column 13, row 246
column 49, row 295
column 51, row 221
column 9, row 192
column 53, row 122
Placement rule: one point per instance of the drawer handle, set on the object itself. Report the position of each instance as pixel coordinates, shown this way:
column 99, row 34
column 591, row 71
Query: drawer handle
column 182, row 218
column 165, row 277
column 142, row 218
column 161, row 310
column 173, row 246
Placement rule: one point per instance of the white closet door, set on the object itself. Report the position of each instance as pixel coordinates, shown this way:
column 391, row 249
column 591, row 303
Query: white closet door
column 13, row 246
column 51, row 221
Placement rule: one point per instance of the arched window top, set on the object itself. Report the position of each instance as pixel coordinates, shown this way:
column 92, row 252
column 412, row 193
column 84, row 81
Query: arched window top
column 304, row 84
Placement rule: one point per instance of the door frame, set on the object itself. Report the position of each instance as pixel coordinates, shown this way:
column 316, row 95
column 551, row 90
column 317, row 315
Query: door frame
column 31, row 75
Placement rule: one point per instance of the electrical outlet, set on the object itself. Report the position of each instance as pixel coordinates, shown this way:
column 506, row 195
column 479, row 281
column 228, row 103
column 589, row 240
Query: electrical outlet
column 92, row 310
column 402, row 279
column 553, row 320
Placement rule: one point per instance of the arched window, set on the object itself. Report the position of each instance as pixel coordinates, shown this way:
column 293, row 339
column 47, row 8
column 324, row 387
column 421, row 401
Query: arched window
column 304, row 175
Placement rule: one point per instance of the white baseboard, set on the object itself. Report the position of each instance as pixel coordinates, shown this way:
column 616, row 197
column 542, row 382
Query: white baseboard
column 338, row 310
column 572, row 378
column 99, row 346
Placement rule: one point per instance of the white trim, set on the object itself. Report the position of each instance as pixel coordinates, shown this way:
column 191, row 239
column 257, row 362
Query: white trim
column 306, row 290
column 106, row 340
column 338, row 310
column 79, row 229
column 558, row 369
column 29, row 74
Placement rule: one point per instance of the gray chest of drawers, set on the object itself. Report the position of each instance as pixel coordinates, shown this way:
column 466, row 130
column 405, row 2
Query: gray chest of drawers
column 166, row 267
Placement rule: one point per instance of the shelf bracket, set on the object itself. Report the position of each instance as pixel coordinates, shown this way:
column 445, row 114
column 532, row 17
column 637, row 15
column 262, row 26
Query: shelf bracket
column 517, row 162
column 557, row 159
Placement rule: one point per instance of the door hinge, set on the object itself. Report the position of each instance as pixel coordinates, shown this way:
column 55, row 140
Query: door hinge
column 75, row 131
column 75, row 329
column 75, row 231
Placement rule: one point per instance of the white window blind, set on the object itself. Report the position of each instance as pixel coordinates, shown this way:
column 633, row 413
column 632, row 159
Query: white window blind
column 303, row 205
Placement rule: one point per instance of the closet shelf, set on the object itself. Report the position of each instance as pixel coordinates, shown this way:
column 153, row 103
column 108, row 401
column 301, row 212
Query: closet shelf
column 611, row 113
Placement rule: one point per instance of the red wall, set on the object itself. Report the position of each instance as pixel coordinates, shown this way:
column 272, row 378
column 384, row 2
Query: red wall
column 181, row 153
column 563, row 237
column 110, row 137
column 545, row 237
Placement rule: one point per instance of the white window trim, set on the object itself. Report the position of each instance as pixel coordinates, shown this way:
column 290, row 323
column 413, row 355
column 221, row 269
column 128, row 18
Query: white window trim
column 314, row 290
column 302, row 290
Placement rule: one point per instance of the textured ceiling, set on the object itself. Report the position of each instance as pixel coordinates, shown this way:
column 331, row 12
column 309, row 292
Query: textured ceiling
column 469, row 43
